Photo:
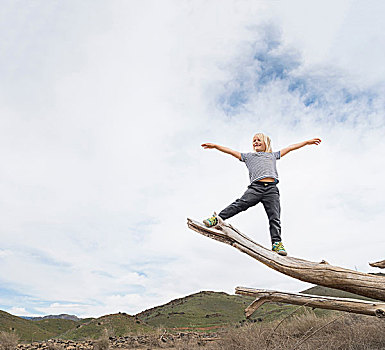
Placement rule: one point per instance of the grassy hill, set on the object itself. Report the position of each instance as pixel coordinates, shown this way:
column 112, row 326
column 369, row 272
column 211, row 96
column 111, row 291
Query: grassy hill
column 56, row 326
column 200, row 310
column 27, row 330
column 118, row 325
column 210, row 310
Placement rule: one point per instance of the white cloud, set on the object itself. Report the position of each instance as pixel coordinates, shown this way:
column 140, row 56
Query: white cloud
column 4, row 253
column 346, row 34
column 101, row 164
column 20, row 311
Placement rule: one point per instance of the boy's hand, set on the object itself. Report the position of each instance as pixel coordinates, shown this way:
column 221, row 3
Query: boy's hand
column 222, row 149
column 315, row 141
column 208, row 145
column 286, row 150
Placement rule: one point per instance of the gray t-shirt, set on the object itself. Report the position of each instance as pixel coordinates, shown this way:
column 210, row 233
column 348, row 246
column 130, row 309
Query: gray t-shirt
column 261, row 164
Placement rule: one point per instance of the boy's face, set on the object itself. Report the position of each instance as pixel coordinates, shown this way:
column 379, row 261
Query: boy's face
column 258, row 144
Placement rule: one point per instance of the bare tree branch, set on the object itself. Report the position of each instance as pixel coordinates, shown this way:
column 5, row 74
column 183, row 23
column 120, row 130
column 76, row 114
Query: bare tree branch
column 340, row 304
column 322, row 273
column 380, row 264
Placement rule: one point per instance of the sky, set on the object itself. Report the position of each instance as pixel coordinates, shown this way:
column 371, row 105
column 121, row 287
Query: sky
column 104, row 106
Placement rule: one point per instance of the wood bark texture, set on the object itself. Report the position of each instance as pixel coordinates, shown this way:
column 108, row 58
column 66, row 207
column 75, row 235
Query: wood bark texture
column 320, row 273
column 380, row 264
column 341, row 304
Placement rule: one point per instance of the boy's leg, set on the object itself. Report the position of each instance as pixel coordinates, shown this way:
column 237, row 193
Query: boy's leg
column 272, row 207
column 251, row 197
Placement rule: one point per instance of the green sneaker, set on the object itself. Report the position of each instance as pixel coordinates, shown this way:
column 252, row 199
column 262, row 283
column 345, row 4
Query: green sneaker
column 279, row 248
column 210, row 222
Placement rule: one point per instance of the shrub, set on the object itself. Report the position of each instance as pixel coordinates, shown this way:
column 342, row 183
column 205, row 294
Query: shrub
column 8, row 341
column 339, row 331
column 103, row 342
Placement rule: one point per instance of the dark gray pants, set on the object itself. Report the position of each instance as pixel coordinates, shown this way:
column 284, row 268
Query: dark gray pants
column 257, row 192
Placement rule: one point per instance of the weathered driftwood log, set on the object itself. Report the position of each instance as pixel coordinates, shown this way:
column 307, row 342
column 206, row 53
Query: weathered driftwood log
column 380, row 264
column 341, row 304
column 322, row 273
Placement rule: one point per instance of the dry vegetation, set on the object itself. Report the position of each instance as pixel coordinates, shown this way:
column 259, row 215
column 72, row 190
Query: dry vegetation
column 103, row 342
column 8, row 341
column 304, row 332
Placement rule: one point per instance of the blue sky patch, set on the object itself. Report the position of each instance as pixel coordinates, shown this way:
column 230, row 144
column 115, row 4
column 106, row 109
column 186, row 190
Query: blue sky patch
column 267, row 63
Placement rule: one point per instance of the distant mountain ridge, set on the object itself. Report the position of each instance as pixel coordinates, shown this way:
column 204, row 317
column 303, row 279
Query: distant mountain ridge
column 59, row 317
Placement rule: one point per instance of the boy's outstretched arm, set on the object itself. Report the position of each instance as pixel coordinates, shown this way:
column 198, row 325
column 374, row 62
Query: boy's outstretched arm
column 290, row 148
column 223, row 149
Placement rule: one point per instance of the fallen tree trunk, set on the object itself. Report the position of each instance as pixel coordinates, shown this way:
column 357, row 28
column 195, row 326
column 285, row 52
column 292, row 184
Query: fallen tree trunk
column 380, row 264
column 322, row 273
column 340, row 304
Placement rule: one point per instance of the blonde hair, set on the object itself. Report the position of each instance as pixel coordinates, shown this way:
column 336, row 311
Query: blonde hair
column 266, row 140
